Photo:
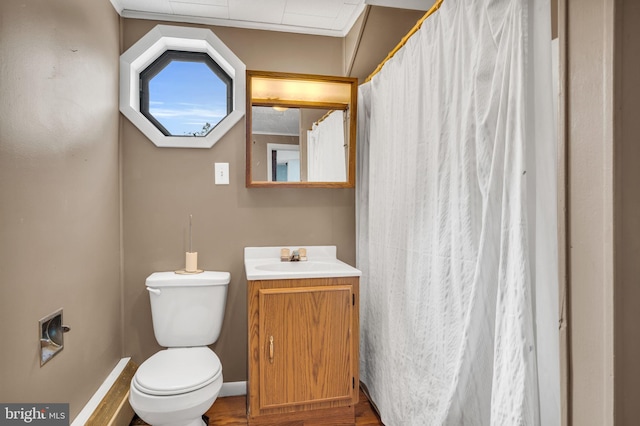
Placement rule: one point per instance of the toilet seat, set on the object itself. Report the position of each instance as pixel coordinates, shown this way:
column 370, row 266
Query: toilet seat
column 177, row 371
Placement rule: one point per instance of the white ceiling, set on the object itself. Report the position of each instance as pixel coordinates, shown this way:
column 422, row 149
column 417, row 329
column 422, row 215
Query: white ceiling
column 320, row 17
column 268, row 121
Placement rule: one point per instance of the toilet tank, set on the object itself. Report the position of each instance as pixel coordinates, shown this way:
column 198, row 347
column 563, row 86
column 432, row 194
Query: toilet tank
column 187, row 310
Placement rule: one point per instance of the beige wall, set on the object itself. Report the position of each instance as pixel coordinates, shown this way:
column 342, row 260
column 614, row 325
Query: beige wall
column 600, row 42
column 59, row 214
column 383, row 29
column 586, row 31
column 627, row 218
column 351, row 41
column 162, row 186
column 59, row 221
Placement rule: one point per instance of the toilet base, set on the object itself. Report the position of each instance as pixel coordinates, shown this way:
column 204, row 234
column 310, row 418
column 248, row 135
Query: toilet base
column 176, row 410
column 199, row 422
column 138, row 421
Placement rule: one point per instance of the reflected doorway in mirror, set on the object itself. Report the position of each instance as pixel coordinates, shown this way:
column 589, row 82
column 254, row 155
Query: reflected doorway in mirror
column 283, row 162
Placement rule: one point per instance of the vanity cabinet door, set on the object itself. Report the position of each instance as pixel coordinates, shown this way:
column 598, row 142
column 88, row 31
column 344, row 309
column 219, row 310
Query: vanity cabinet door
column 305, row 345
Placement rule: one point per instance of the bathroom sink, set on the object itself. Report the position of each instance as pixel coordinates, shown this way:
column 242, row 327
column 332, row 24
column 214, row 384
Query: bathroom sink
column 263, row 263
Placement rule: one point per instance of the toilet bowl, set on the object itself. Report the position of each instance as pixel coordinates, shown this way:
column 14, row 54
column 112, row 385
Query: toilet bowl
column 176, row 386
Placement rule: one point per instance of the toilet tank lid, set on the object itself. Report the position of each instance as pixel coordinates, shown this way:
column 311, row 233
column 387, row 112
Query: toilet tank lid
column 171, row 279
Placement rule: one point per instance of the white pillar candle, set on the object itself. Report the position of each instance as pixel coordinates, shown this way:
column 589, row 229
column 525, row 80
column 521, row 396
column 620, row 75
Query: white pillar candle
column 191, row 261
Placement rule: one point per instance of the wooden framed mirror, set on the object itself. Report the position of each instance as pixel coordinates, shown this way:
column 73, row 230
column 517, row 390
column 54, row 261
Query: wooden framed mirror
column 301, row 130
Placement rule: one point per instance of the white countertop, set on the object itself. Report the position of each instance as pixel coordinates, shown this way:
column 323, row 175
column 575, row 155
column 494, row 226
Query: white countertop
column 263, row 263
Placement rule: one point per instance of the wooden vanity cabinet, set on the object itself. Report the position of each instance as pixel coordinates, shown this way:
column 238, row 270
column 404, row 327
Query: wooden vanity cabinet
column 303, row 350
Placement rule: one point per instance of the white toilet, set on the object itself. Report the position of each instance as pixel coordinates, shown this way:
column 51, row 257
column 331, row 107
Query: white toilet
column 176, row 386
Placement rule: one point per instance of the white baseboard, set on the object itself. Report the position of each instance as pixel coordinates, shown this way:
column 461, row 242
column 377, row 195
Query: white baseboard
column 233, row 389
column 90, row 407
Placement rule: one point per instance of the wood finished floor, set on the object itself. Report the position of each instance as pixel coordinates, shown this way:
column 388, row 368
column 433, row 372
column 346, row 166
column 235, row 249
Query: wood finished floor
column 232, row 411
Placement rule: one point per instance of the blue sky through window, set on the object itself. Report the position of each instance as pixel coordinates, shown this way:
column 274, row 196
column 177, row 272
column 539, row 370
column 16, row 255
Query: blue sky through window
column 185, row 95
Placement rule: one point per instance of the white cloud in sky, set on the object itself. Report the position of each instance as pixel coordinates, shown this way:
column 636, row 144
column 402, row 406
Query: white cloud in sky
column 181, row 118
column 192, row 113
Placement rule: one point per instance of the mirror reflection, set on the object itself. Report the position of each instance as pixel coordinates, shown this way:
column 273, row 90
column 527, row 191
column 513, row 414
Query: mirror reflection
column 300, row 130
column 299, row 144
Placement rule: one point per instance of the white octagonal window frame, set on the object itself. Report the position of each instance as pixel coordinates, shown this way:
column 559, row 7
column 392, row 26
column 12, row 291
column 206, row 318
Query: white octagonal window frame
column 146, row 50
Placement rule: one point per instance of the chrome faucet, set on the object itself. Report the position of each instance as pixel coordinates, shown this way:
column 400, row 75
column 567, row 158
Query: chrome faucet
column 296, row 256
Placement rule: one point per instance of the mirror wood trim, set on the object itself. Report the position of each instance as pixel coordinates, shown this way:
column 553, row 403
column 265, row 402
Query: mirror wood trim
column 294, row 103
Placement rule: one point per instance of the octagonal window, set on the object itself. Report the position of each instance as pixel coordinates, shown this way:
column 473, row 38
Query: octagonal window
column 185, row 93
column 182, row 87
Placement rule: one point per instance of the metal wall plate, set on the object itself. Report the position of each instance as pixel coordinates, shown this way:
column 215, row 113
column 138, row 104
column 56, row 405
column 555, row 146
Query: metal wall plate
column 51, row 333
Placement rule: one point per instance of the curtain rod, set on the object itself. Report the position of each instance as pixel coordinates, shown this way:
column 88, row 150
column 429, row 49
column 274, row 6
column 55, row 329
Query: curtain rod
column 324, row 117
column 404, row 40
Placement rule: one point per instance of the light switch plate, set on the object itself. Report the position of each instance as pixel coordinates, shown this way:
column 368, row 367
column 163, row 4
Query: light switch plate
column 222, row 173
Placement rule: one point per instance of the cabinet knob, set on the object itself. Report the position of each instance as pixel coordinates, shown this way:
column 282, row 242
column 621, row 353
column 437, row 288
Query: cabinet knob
column 271, row 349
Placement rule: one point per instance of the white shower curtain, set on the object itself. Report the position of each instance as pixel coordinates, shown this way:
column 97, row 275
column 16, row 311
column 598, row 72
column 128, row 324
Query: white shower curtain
column 456, row 221
column 326, row 158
